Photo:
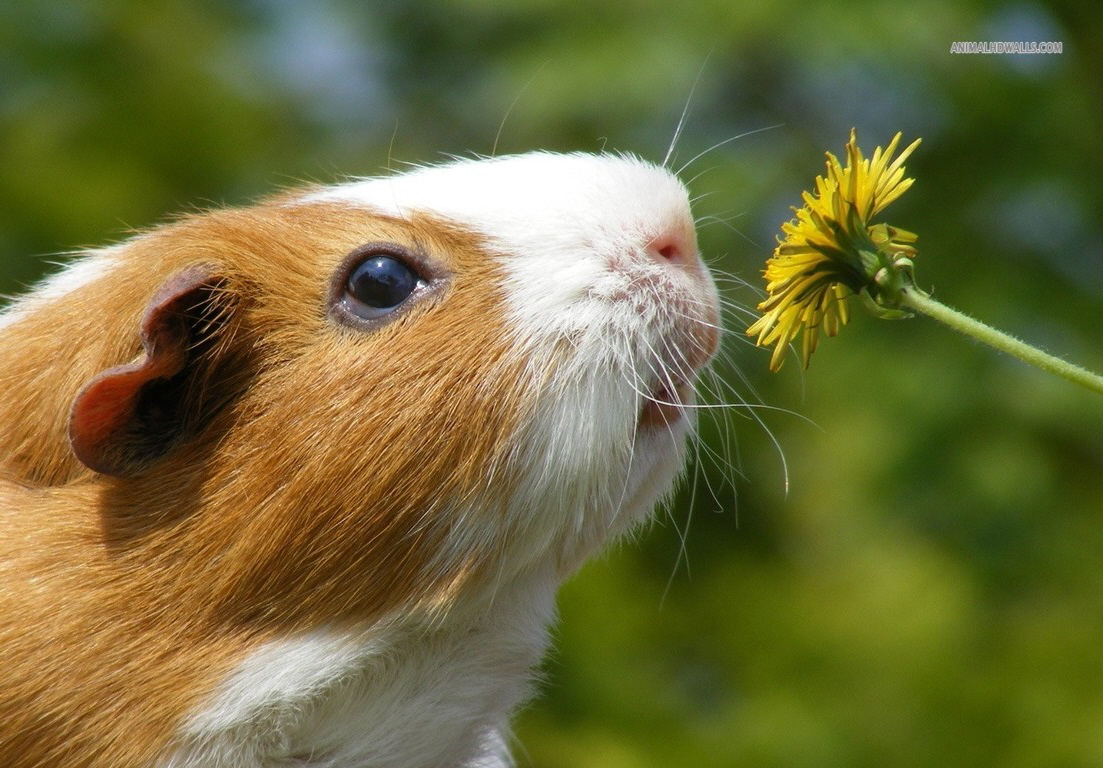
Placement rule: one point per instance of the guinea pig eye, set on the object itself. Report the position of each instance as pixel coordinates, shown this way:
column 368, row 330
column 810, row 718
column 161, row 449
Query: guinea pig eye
column 381, row 283
column 378, row 283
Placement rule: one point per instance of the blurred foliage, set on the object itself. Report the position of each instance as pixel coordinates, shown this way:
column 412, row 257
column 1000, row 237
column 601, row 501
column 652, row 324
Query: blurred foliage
column 890, row 559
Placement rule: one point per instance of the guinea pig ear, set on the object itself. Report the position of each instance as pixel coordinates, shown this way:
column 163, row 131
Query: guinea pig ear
column 132, row 414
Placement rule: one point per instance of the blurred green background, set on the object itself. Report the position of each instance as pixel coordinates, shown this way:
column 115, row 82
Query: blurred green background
column 896, row 557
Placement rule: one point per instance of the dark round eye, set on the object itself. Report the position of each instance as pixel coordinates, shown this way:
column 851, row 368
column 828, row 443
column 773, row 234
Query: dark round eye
column 379, row 284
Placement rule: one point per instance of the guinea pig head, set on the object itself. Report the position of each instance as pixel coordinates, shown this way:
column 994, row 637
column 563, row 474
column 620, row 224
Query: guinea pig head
column 395, row 392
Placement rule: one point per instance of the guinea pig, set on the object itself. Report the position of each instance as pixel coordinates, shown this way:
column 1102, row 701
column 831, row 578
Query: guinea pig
column 295, row 484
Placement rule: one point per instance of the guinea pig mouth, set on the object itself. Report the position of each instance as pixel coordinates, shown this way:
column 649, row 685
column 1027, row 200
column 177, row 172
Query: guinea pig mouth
column 666, row 404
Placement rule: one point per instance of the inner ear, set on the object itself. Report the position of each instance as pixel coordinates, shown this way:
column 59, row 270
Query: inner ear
column 132, row 414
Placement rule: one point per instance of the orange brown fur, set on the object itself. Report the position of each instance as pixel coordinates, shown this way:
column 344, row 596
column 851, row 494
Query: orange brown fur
column 301, row 500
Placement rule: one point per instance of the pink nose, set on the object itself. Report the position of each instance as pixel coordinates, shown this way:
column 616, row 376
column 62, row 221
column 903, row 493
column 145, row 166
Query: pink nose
column 675, row 246
column 672, row 248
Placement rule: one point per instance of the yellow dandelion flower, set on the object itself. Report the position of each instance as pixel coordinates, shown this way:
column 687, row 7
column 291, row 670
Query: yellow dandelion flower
column 831, row 250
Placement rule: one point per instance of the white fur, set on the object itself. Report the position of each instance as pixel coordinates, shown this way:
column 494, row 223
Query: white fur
column 601, row 322
column 392, row 696
column 72, row 277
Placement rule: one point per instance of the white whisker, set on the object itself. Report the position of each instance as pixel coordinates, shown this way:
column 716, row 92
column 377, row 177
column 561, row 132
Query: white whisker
column 509, row 109
column 719, row 144
column 685, row 113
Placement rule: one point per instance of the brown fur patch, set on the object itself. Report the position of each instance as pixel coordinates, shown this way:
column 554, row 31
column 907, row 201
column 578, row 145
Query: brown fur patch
column 319, row 492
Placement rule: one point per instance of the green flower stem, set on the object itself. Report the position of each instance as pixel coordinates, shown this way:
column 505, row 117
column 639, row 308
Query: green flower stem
column 914, row 299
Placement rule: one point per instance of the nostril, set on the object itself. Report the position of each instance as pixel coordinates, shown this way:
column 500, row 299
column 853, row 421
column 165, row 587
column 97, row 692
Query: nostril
column 670, row 250
column 672, row 241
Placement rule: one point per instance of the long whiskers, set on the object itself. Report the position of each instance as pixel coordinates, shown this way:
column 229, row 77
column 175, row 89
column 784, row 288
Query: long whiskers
column 724, row 142
column 510, row 108
column 685, row 112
